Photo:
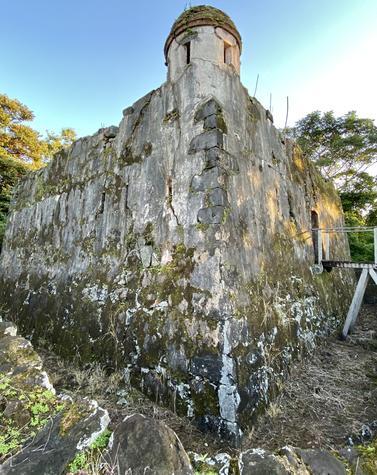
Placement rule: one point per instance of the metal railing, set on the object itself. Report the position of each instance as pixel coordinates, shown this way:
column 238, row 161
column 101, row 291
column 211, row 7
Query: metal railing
column 321, row 238
column 323, row 241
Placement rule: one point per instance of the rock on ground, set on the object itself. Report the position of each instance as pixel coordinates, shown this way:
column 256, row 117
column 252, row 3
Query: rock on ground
column 321, row 462
column 145, row 445
column 261, row 462
column 56, row 445
column 68, row 430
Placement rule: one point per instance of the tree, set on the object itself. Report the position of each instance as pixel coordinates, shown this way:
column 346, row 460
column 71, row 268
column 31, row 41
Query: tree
column 10, row 172
column 20, row 142
column 344, row 149
column 22, row 149
column 17, row 140
column 360, row 194
column 56, row 142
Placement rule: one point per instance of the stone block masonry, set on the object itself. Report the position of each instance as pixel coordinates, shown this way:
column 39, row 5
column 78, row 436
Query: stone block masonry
column 178, row 246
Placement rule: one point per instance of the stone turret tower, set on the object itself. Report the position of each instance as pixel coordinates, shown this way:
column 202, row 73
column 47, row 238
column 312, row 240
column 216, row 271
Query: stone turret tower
column 178, row 245
column 202, row 34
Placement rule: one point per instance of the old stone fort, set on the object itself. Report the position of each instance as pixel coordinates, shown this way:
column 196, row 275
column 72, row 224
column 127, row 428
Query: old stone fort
column 178, row 246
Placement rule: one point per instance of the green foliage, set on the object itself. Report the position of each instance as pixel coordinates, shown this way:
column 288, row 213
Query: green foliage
column 92, row 455
column 80, row 462
column 20, row 142
column 201, row 466
column 56, row 142
column 102, row 441
column 202, row 227
column 360, row 209
column 11, row 170
column 368, row 458
column 33, row 407
column 17, row 140
column 342, row 147
column 211, row 14
column 206, row 472
column 361, row 243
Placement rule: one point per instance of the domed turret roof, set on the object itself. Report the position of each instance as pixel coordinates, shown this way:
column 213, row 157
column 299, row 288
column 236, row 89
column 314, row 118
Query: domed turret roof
column 202, row 15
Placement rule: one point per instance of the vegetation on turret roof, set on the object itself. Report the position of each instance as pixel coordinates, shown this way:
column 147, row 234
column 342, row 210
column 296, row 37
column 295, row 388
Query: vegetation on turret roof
column 204, row 12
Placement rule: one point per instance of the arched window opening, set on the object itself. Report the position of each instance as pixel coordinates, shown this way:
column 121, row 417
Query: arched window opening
column 315, row 226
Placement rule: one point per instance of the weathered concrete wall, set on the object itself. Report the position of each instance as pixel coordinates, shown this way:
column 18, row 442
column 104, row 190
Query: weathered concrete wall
column 178, row 247
column 206, row 45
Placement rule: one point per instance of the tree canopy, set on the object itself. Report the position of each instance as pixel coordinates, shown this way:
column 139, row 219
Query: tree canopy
column 19, row 141
column 345, row 151
column 342, row 147
column 56, row 142
column 22, row 149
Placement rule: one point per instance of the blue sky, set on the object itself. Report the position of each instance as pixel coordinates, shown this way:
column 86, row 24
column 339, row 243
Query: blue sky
column 80, row 63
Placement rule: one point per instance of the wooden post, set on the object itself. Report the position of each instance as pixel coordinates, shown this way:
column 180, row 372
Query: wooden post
column 375, row 245
column 319, row 250
column 327, row 250
column 356, row 303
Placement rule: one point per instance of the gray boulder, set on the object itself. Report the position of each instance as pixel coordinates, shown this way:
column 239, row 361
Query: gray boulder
column 17, row 354
column 261, row 462
column 19, row 361
column 321, row 462
column 142, row 445
column 7, row 328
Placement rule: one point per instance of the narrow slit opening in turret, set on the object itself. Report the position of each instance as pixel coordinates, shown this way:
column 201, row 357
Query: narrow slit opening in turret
column 188, row 52
column 227, row 53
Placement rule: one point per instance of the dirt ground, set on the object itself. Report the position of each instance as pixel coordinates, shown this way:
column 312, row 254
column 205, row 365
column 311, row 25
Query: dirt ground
column 326, row 398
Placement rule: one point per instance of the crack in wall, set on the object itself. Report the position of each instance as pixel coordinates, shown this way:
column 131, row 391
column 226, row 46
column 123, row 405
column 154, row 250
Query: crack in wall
column 170, row 198
column 176, row 152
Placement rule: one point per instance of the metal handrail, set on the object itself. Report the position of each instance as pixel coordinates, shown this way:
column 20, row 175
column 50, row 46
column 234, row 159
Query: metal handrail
column 345, row 229
column 368, row 270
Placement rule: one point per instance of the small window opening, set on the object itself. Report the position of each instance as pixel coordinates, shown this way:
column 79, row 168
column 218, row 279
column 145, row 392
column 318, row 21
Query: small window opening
column 188, row 52
column 227, row 53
